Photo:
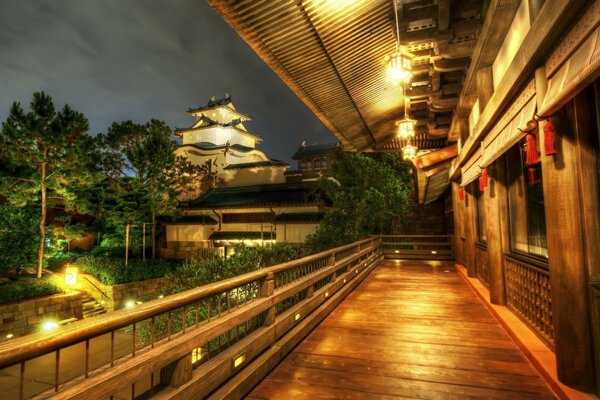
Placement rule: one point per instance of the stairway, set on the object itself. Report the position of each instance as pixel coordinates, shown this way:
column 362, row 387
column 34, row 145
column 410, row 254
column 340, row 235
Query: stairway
column 91, row 307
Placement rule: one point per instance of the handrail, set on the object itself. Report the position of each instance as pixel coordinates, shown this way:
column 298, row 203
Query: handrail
column 421, row 247
column 31, row 346
column 96, row 287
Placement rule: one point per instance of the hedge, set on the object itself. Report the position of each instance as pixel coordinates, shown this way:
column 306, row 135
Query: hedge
column 21, row 288
column 113, row 271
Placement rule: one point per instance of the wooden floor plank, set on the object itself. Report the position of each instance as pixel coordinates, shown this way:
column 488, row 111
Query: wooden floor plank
column 410, row 330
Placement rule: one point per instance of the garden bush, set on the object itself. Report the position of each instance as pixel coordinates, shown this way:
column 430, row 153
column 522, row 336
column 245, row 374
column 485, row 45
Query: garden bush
column 113, row 271
column 18, row 288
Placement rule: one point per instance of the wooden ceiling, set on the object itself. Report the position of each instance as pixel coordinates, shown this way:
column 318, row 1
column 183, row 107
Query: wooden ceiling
column 330, row 52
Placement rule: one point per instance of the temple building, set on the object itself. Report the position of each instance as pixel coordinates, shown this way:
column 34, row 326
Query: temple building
column 249, row 198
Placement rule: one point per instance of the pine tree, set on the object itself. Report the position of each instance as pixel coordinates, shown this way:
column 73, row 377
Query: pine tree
column 46, row 160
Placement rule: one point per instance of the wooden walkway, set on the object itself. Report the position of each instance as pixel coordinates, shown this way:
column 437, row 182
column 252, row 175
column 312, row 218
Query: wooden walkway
column 409, row 330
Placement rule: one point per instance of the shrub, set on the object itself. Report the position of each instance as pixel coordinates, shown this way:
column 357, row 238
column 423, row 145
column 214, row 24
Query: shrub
column 112, row 271
column 21, row 288
column 19, row 237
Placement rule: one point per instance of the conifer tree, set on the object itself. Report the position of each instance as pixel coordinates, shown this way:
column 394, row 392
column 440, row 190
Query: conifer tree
column 46, row 160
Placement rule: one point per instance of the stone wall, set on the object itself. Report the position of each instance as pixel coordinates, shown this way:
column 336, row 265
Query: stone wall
column 24, row 317
column 114, row 297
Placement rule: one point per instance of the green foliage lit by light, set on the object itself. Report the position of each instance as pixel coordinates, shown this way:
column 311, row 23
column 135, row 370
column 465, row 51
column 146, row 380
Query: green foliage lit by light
column 19, row 237
column 46, row 161
column 369, row 194
column 22, row 288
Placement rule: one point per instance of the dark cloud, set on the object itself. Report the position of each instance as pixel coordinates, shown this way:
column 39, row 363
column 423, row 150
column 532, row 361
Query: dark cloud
column 142, row 59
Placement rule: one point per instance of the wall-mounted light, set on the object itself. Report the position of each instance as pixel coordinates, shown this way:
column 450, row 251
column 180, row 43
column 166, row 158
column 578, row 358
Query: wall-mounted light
column 297, row 317
column 239, row 360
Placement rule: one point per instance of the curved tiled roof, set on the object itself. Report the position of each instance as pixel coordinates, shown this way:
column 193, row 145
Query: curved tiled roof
column 258, row 164
column 314, row 151
column 284, row 194
column 212, row 146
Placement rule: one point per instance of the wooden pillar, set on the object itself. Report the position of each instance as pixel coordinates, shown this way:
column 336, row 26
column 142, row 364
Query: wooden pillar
column 470, row 229
column 496, row 228
column 177, row 373
column 566, row 179
column 485, row 86
column 456, row 216
column 267, row 289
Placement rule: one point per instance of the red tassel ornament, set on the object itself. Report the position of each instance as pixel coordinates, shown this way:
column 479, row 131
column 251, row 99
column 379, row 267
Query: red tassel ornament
column 531, row 177
column 532, row 153
column 549, row 138
column 461, row 194
column 483, row 179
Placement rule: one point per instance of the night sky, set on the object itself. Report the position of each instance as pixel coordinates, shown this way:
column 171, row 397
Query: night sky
column 117, row 60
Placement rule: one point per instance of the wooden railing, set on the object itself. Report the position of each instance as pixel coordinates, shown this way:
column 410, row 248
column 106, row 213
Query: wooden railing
column 418, row 247
column 188, row 344
column 481, row 262
column 529, row 296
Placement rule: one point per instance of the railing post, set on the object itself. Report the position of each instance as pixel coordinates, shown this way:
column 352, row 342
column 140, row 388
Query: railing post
column 332, row 263
column 178, row 372
column 266, row 290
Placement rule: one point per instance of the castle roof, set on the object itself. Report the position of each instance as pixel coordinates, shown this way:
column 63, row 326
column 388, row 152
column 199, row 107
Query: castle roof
column 258, row 164
column 314, row 151
column 284, row 194
column 215, row 103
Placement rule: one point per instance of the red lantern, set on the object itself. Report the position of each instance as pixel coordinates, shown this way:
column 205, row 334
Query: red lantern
column 532, row 153
column 549, row 138
column 461, row 194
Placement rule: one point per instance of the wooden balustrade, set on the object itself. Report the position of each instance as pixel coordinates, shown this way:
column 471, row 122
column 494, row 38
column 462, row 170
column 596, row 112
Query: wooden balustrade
column 187, row 344
column 529, row 296
column 418, row 247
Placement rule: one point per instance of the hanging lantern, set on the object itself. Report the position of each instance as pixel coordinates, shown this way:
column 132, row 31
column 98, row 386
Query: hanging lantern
column 532, row 152
column 461, row 193
column 409, row 152
column 406, row 128
column 398, row 67
column 483, row 180
column 549, row 138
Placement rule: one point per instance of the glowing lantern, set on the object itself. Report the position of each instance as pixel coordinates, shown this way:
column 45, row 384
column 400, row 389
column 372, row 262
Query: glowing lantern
column 71, row 275
column 398, row 68
column 406, row 128
column 409, row 152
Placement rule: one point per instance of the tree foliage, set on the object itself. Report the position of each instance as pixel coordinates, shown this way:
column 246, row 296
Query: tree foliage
column 369, row 193
column 19, row 237
column 47, row 160
column 144, row 177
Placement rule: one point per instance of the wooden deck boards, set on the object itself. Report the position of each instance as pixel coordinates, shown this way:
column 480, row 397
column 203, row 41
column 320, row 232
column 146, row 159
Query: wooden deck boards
column 410, row 330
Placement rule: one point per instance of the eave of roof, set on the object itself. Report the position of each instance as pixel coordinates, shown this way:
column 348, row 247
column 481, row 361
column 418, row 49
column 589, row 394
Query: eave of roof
column 298, row 218
column 180, row 131
column 285, row 194
column 240, row 235
column 258, row 164
column 314, row 151
column 188, row 219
